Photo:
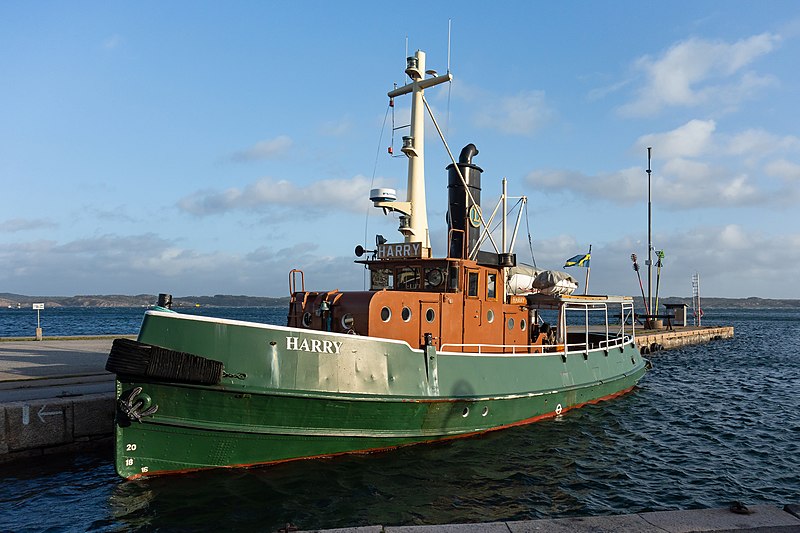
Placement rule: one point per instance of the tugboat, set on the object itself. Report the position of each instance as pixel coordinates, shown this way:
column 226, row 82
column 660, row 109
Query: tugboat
column 437, row 348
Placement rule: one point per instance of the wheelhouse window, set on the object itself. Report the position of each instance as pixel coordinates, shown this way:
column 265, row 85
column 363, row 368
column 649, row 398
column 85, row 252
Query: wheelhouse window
column 408, row 278
column 382, row 278
column 472, row 283
column 452, row 278
column 434, row 278
column 491, row 286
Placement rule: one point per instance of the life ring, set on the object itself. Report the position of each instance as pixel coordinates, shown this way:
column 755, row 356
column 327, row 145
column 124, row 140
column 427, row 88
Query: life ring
column 558, row 409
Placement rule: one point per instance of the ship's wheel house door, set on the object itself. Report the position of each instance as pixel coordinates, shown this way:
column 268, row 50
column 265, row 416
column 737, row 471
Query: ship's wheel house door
column 473, row 308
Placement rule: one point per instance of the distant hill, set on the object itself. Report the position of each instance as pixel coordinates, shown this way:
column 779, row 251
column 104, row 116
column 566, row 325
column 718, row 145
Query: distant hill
column 140, row 300
column 733, row 303
column 228, row 300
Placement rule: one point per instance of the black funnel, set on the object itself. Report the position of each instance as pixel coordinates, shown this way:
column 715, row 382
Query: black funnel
column 464, row 208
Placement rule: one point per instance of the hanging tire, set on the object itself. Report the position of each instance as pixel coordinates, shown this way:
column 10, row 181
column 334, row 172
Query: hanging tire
column 138, row 359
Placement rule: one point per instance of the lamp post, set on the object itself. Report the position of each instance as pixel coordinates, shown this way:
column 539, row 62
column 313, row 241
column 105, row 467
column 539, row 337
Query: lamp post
column 649, row 240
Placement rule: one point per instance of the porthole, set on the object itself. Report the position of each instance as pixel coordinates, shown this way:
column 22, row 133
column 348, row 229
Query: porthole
column 510, row 323
column 490, row 316
column 430, row 315
column 405, row 314
column 386, row 314
column 306, row 320
column 485, row 411
column 347, row 321
column 523, row 324
column 465, row 412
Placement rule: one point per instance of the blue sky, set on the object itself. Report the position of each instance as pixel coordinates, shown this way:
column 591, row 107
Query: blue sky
column 208, row 148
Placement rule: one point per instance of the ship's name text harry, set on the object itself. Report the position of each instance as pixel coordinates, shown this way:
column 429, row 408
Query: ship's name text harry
column 299, row 344
column 406, row 249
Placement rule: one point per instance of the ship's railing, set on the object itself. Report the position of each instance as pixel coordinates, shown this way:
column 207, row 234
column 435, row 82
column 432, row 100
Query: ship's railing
column 503, row 349
column 535, row 349
column 584, row 327
column 601, row 326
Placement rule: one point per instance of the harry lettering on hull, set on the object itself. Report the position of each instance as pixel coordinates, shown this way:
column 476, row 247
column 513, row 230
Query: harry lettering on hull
column 299, row 344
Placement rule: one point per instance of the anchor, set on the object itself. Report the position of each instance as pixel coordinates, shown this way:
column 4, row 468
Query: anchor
column 135, row 405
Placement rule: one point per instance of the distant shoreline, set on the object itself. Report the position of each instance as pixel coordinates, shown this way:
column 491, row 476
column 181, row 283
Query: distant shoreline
column 226, row 300
column 140, row 300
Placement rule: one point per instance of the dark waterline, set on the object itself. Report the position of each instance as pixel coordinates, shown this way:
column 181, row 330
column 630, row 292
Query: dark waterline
column 709, row 424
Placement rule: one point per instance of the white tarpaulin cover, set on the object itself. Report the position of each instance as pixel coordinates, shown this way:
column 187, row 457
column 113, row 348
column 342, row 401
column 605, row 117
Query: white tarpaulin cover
column 525, row 279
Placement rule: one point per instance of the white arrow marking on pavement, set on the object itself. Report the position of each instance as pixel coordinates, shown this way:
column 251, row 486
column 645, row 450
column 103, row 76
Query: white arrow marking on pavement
column 42, row 413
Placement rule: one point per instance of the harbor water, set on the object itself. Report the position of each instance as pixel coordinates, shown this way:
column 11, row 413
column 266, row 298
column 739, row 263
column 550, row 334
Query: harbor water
column 709, row 424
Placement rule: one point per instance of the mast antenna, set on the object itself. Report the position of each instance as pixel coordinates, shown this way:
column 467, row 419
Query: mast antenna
column 449, row 27
column 449, row 85
column 406, row 56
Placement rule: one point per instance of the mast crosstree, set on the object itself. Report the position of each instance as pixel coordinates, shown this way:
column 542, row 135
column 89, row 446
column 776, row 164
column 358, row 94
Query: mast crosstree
column 414, row 217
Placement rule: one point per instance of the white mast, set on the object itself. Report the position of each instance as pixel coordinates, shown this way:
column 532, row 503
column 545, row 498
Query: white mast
column 505, row 210
column 414, row 217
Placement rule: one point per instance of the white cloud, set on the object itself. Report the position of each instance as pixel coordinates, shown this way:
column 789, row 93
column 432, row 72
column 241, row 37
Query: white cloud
column 522, row 113
column 695, row 167
column 783, row 169
column 14, row 225
column 692, row 139
column 699, row 71
column 625, row 187
column 732, row 260
column 758, row 143
column 267, row 192
column 519, row 114
column 148, row 263
column 678, row 184
column 266, row 149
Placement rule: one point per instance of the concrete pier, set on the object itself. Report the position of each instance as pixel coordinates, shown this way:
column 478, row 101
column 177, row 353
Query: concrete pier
column 759, row 519
column 55, row 396
column 680, row 336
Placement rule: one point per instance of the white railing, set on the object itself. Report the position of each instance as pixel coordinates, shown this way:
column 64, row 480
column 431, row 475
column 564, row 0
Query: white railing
column 533, row 349
column 623, row 335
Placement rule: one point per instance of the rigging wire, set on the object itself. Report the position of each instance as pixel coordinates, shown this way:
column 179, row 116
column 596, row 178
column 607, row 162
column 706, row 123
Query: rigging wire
column 530, row 241
column 498, row 223
column 391, row 104
column 372, row 181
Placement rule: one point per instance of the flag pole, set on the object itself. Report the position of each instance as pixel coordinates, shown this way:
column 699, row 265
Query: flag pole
column 588, row 268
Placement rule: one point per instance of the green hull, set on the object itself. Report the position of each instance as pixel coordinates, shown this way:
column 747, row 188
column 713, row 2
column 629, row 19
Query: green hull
column 291, row 394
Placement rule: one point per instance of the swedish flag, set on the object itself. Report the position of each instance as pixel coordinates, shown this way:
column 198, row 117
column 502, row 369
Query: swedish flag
column 581, row 260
